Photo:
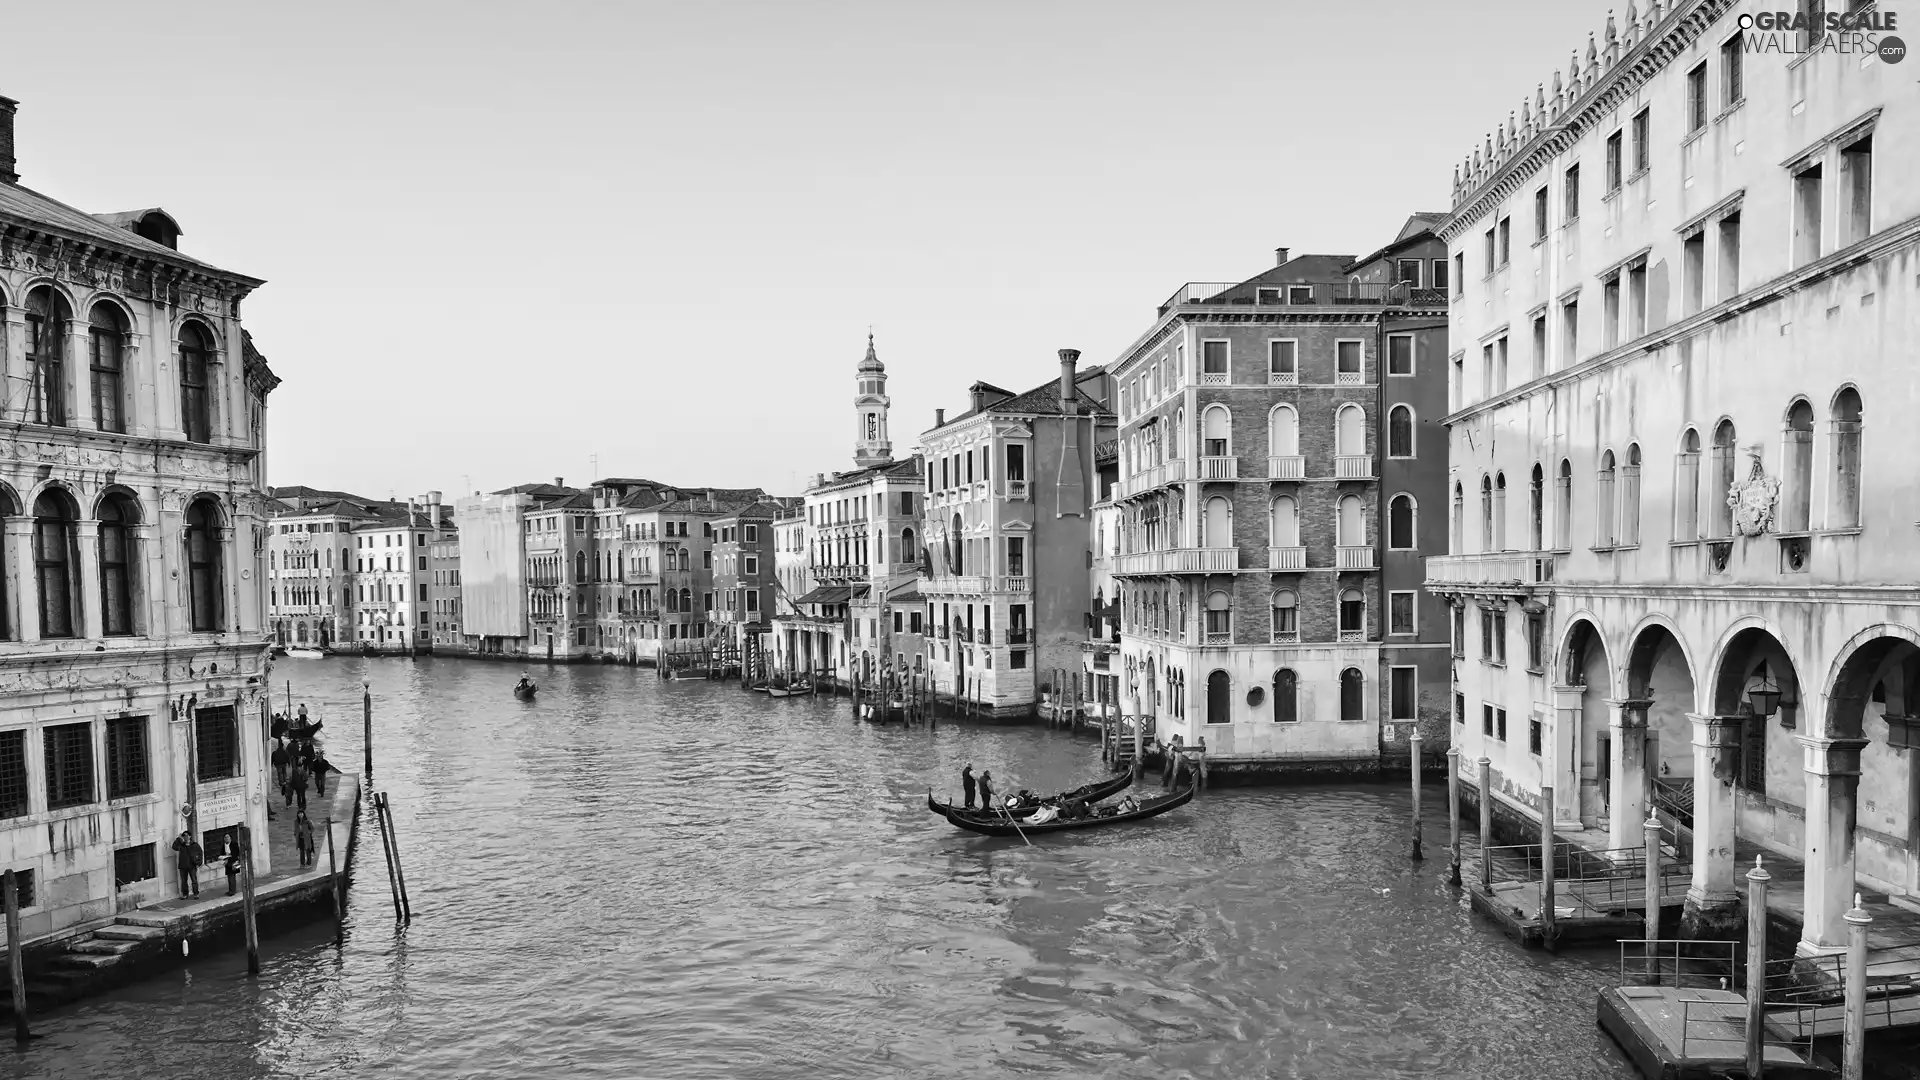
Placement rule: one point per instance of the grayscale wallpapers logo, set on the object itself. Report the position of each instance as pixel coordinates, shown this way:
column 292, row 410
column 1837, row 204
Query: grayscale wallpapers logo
column 1794, row 33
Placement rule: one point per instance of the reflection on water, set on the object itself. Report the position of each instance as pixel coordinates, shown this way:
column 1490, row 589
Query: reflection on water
column 635, row 878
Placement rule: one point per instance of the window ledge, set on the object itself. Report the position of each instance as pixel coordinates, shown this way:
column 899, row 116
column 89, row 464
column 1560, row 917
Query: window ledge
column 1494, row 663
column 1683, row 543
column 1729, row 110
column 1542, row 672
column 1611, row 195
column 1638, row 176
column 1693, row 136
column 1570, row 222
column 1538, row 241
column 1851, row 531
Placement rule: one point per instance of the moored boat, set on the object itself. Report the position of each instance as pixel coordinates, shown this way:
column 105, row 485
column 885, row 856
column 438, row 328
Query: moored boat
column 302, row 652
column 1027, row 821
column 1089, row 793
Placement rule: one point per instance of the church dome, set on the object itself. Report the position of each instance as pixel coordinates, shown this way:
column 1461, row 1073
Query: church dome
column 872, row 361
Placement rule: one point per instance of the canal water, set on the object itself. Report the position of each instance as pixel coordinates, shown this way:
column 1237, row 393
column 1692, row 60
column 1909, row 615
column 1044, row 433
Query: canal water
column 630, row 878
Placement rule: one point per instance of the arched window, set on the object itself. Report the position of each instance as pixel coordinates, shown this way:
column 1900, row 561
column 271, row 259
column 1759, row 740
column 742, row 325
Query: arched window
column 1686, row 488
column 196, row 398
column 956, row 544
column 1796, row 486
column 106, row 338
column 1219, row 698
column 1563, row 507
column 1286, row 615
column 1219, row 523
column 1353, row 615
column 1536, row 509
column 1630, row 498
column 1352, row 694
column 1217, row 431
column 686, row 561
column 1722, row 472
column 1351, row 527
column 1286, row 522
column 1283, row 431
column 1844, row 503
column 117, row 517
column 1499, row 512
column 47, row 316
column 1400, row 432
column 686, row 600
column 1400, row 523
column 1456, row 526
column 1486, row 512
column 673, row 601
column 1219, row 614
column 579, row 566
column 1286, row 697
column 907, row 551
column 1350, row 431
column 204, row 579
column 1603, row 520
column 56, row 561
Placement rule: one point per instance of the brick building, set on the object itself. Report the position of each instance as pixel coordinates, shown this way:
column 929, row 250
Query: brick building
column 1272, row 472
column 743, row 573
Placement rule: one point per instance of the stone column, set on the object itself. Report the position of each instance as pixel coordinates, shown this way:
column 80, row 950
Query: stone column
column 1713, row 900
column 1833, row 779
column 92, row 618
column 79, row 376
column 1564, row 743
column 1628, row 809
column 13, row 350
column 24, row 589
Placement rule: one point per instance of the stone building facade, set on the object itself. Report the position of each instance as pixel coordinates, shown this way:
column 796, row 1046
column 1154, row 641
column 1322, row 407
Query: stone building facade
column 1699, row 593
column 393, row 594
column 133, row 641
column 1278, row 439
column 1010, row 489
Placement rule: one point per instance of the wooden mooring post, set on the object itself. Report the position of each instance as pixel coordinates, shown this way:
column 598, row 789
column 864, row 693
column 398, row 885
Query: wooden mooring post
column 16, row 963
column 1486, row 825
column 1652, row 856
column 1453, row 814
column 1756, row 988
column 366, row 714
column 386, row 848
column 333, row 887
column 247, row 910
column 1549, row 933
column 1415, row 742
column 1853, row 1027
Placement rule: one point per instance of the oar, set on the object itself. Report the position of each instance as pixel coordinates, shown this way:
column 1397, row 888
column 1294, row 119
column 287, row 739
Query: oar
column 1015, row 824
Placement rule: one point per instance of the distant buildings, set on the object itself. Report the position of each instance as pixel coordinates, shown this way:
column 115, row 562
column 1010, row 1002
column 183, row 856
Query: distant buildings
column 1010, row 488
column 1681, row 533
column 443, row 566
column 1273, row 471
column 392, row 590
column 133, row 570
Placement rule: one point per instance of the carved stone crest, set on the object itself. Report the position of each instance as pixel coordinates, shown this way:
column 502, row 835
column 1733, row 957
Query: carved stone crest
column 1752, row 500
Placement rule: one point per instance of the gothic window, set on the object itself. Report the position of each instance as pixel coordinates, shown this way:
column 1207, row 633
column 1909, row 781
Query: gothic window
column 46, row 330
column 1286, row 697
column 105, row 338
column 56, row 561
column 1796, row 486
column 1400, row 432
column 1630, row 497
column 1219, row 698
column 196, row 396
column 1400, row 532
column 1686, row 488
column 203, row 566
column 1352, row 694
column 1458, row 524
column 1603, row 521
column 1563, row 507
column 1845, row 512
column 1499, row 512
column 1486, row 512
column 117, row 517
column 1536, row 509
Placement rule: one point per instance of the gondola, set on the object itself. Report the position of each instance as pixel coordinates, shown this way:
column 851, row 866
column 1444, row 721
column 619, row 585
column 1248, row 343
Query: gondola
column 1089, row 793
column 1001, row 824
column 525, row 693
column 302, row 652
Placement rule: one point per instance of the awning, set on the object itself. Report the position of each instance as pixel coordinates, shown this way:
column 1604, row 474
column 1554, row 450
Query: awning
column 827, row 594
column 906, row 591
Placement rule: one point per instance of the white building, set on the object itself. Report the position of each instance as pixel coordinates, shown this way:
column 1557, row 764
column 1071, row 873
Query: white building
column 133, row 642
column 393, row 591
column 1680, row 276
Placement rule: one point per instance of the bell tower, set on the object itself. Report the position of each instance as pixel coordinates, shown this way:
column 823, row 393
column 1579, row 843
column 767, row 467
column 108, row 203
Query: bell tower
column 870, row 443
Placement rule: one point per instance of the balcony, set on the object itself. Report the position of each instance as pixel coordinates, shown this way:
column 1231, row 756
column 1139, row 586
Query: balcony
column 1218, row 468
column 1179, row 561
column 1491, row 571
column 1017, row 490
column 1338, row 294
column 1018, row 584
column 1287, row 467
column 1347, row 378
column 1353, row 467
column 1020, row 635
column 1217, row 638
column 1287, row 558
column 1354, row 558
column 1167, row 472
column 956, row 584
column 1214, row 378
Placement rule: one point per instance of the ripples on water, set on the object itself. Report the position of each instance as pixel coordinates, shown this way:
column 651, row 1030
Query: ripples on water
column 631, row 878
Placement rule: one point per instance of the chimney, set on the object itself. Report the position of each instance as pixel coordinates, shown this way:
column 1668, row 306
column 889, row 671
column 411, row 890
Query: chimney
column 979, row 397
column 939, row 417
column 7, row 174
column 1068, row 358
column 559, row 481
column 1279, row 256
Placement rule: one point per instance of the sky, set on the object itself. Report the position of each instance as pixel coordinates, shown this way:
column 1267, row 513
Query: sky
column 505, row 243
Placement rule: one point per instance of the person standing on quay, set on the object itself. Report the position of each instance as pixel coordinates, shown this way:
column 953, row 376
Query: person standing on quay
column 280, row 763
column 190, row 857
column 966, row 784
column 297, row 784
column 303, row 838
column 233, row 869
column 986, row 789
column 319, row 766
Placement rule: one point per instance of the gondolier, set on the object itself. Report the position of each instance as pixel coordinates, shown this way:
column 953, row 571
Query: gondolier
column 967, row 784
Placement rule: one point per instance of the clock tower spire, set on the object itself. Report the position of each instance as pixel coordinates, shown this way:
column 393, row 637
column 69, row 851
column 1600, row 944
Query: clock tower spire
column 871, row 445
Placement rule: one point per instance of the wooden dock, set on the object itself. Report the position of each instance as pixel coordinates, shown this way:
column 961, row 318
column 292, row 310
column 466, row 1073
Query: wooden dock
column 1674, row 1033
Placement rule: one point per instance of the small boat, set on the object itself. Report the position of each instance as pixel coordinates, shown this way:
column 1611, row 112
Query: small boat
column 778, row 691
column 525, row 693
column 1090, row 793
column 1017, row 823
column 302, row 652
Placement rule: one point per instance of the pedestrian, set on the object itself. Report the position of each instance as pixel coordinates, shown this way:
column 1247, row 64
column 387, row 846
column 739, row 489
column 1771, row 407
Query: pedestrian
column 298, row 782
column 966, row 783
column 233, row 869
column 303, row 838
column 986, row 789
column 280, row 763
column 319, row 766
column 188, row 861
